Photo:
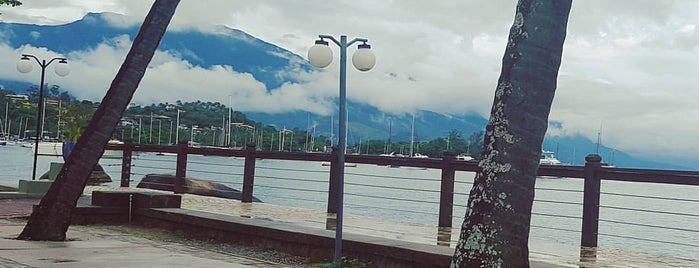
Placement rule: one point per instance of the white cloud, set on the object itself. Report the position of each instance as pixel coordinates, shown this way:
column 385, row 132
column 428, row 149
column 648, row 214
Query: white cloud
column 170, row 78
column 628, row 65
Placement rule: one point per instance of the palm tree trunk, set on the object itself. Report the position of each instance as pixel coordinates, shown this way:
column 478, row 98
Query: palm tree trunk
column 51, row 219
column 495, row 231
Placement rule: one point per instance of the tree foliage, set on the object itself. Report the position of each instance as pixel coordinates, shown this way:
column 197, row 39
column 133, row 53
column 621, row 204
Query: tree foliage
column 208, row 117
column 75, row 116
column 13, row 3
column 22, row 113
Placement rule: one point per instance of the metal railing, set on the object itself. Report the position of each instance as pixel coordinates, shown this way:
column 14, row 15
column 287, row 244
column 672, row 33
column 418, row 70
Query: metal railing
column 587, row 202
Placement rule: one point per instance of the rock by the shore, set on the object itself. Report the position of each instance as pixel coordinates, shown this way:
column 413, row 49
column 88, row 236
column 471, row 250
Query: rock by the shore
column 166, row 182
column 97, row 176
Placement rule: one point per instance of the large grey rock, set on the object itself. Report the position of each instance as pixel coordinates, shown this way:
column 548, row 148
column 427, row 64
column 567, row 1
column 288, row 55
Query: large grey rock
column 166, row 182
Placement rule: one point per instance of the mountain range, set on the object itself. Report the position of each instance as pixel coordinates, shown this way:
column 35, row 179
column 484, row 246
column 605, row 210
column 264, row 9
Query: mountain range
column 268, row 63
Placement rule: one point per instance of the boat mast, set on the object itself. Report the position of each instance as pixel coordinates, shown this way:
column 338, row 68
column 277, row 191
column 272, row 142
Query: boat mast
column 388, row 142
column 228, row 127
column 6, row 129
column 599, row 138
column 412, row 136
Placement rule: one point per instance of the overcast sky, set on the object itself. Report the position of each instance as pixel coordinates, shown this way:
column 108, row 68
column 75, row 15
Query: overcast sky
column 630, row 67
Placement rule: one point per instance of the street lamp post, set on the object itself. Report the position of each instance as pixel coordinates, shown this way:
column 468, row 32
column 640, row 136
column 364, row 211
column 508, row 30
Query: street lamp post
column 24, row 66
column 191, row 135
column 177, row 126
column 320, row 55
column 150, row 129
column 140, row 122
column 169, row 141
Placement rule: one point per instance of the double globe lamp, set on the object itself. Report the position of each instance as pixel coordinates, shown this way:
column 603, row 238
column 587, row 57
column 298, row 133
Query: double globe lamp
column 320, row 55
column 24, row 66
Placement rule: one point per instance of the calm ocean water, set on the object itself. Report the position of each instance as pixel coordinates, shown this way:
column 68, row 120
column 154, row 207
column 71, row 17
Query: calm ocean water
column 411, row 195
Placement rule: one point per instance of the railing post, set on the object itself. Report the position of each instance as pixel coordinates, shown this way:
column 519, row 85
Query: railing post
column 249, row 173
column 446, row 194
column 127, row 153
column 333, row 185
column 181, row 169
column 590, row 217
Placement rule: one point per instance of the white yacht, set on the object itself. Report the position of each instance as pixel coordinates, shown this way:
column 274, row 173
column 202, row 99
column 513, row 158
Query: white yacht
column 113, row 154
column 464, row 157
column 548, row 158
column 419, row 155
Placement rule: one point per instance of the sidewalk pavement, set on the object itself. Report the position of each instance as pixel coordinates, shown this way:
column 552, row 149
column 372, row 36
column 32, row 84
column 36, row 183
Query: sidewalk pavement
column 92, row 246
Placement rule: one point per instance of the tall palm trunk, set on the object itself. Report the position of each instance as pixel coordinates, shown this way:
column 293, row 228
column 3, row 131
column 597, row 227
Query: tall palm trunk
column 51, row 219
column 495, row 231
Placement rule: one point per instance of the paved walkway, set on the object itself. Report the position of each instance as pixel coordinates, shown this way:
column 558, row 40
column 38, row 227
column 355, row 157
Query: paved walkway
column 95, row 246
column 91, row 246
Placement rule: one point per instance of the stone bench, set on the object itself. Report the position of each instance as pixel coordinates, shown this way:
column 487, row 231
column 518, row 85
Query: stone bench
column 120, row 206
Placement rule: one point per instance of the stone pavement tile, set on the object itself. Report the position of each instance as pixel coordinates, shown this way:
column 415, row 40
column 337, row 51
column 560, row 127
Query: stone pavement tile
column 92, row 247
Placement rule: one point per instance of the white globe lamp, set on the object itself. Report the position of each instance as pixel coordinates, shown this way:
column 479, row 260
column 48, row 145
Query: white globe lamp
column 363, row 59
column 320, row 55
column 24, row 65
column 62, row 69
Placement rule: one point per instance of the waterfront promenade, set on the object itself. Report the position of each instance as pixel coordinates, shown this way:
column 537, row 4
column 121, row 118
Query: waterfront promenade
column 90, row 246
column 106, row 244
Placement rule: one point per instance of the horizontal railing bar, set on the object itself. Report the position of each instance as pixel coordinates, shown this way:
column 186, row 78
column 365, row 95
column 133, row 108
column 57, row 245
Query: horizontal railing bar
column 292, row 169
column 557, row 216
column 651, row 176
column 214, row 172
column 290, row 179
column 143, row 167
column 392, row 209
column 391, row 187
column 391, row 177
column 216, row 164
column 650, row 240
column 651, row 226
column 557, row 202
column 652, row 197
column 652, row 211
column 559, row 190
column 292, row 189
column 226, row 182
column 462, row 194
column 157, row 160
column 296, row 198
column 315, row 157
column 393, row 198
column 554, row 228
